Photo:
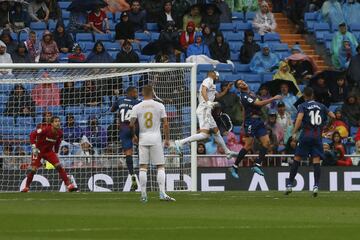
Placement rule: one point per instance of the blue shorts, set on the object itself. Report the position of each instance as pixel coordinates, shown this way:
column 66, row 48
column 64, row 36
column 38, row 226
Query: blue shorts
column 125, row 137
column 309, row 146
column 255, row 127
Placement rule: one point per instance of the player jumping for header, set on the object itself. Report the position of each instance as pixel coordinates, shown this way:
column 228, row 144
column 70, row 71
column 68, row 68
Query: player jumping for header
column 207, row 96
column 45, row 143
column 125, row 107
column 311, row 118
column 253, row 127
column 149, row 114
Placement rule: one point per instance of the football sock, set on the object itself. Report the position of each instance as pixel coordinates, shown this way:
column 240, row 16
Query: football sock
column 129, row 164
column 262, row 154
column 240, row 157
column 63, row 175
column 219, row 140
column 194, row 138
column 161, row 179
column 317, row 173
column 29, row 178
column 143, row 180
column 293, row 171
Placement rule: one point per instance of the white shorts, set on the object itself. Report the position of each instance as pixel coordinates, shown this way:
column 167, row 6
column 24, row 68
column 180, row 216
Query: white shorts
column 206, row 120
column 151, row 154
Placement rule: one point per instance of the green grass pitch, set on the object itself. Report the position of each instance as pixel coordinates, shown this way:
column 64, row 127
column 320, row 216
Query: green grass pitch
column 226, row 215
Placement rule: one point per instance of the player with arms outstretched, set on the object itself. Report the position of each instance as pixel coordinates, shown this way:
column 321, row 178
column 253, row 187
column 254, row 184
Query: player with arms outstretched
column 149, row 114
column 311, row 118
column 207, row 96
column 254, row 127
column 45, row 143
column 125, row 106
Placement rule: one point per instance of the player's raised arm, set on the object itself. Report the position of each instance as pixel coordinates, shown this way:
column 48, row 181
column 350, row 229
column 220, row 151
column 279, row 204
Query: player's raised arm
column 261, row 103
column 226, row 90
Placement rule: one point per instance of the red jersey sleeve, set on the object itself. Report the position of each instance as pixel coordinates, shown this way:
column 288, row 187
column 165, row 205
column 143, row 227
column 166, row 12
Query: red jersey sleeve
column 38, row 132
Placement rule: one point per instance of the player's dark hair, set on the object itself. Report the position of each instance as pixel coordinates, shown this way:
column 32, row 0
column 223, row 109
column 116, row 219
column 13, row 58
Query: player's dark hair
column 53, row 118
column 148, row 90
column 308, row 92
column 130, row 89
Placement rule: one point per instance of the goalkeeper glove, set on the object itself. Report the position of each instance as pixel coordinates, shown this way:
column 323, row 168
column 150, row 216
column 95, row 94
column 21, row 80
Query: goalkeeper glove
column 35, row 151
column 210, row 104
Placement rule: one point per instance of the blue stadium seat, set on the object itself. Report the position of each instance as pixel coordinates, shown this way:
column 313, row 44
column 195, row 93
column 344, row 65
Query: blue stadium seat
column 272, row 37
column 25, row 121
column 56, row 110
column 65, row 14
column 234, row 37
column 103, row 37
column 320, row 29
column 235, row 46
column 241, row 26
column 144, row 58
column 254, row 87
column 152, row 27
column 223, row 67
column 112, row 46
column 52, row 25
column 106, row 119
column 252, row 77
column 86, row 45
column 234, row 56
column 14, row 36
column 237, row 129
column 142, row 36
column 22, row 132
column 75, row 110
column 250, row 16
column 355, row 27
column 23, row 36
column 311, row 16
column 112, row 26
column 238, row 16
column 6, row 121
column 110, row 16
column 95, row 110
column 353, row 131
column 38, row 26
column 267, row 77
column 204, row 67
column 242, row 67
column 155, row 35
column 227, row 27
column 84, row 37
column 4, row 98
column 64, row 5
column 233, row 77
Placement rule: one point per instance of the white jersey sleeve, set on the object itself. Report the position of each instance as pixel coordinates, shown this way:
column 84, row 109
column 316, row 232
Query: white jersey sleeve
column 149, row 114
column 211, row 90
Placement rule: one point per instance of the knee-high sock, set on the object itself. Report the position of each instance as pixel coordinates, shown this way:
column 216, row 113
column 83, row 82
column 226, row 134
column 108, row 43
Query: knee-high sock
column 293, row 171
column 194, row 138
column 63, row 175
column 219, row 140
column 240, row 157
column 161, row 179
column 130, row 164
column 317, row 173
column 143, row 180
column 30, row 177
column 261, row 158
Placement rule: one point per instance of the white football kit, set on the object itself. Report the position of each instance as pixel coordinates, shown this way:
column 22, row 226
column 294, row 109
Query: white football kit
column 203, row 111
column 149, row 114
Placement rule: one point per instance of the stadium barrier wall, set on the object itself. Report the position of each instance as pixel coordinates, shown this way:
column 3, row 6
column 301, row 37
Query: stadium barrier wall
column 209, row 179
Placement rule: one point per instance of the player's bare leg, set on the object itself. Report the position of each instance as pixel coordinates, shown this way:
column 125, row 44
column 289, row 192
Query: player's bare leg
column 220, row 141
column 293, row 171
column 202, row 135
column 130, row 167
column 161, row 181
column 317, row 173
column 249, row 141
column 265, row 145
column 143, row 182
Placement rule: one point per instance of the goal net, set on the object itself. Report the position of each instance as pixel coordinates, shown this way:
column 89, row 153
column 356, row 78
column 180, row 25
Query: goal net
column 82, row 96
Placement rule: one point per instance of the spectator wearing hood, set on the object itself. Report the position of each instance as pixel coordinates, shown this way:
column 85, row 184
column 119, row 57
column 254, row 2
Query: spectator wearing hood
column 64, row 152
column 169, row 37
column 347, row 51
column 124, row 30
column 208, row 35
column 167, row 15
column 38, row 11
column 127, row 54
column 337, row 43
column 225, row 11
column 19, row 18
column 99, row 54
column 284, row 74
column 63, row 39
column 332, row 13
column 86, row 149
column 95, row 133
column 11, row 44
column 19, row 103
column 21, row 54
column 220, row 50
column 137, row 17
column 275, row 127
column 198, row 47
column 351, row 111
column 153, row 8
column 264, row 21
column 76, row 56
column 4, row 13
column 321, row 91
column 353, row 72
column 211, row 18
column 339, row 91
column 187, row 37
column 72, row 131
column 4, row 58
column 193, row 16
column 249, row 48
column 351, row 9
column 49, row 49
column 264, row 61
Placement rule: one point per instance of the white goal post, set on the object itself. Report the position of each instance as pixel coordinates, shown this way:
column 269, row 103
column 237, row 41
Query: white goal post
column 30, row 92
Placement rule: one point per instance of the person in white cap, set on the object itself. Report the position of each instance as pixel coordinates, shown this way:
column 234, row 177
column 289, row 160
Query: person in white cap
column 207, row 96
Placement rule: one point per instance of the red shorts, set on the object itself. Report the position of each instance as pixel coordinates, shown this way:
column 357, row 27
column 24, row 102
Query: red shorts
column 51, row 157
